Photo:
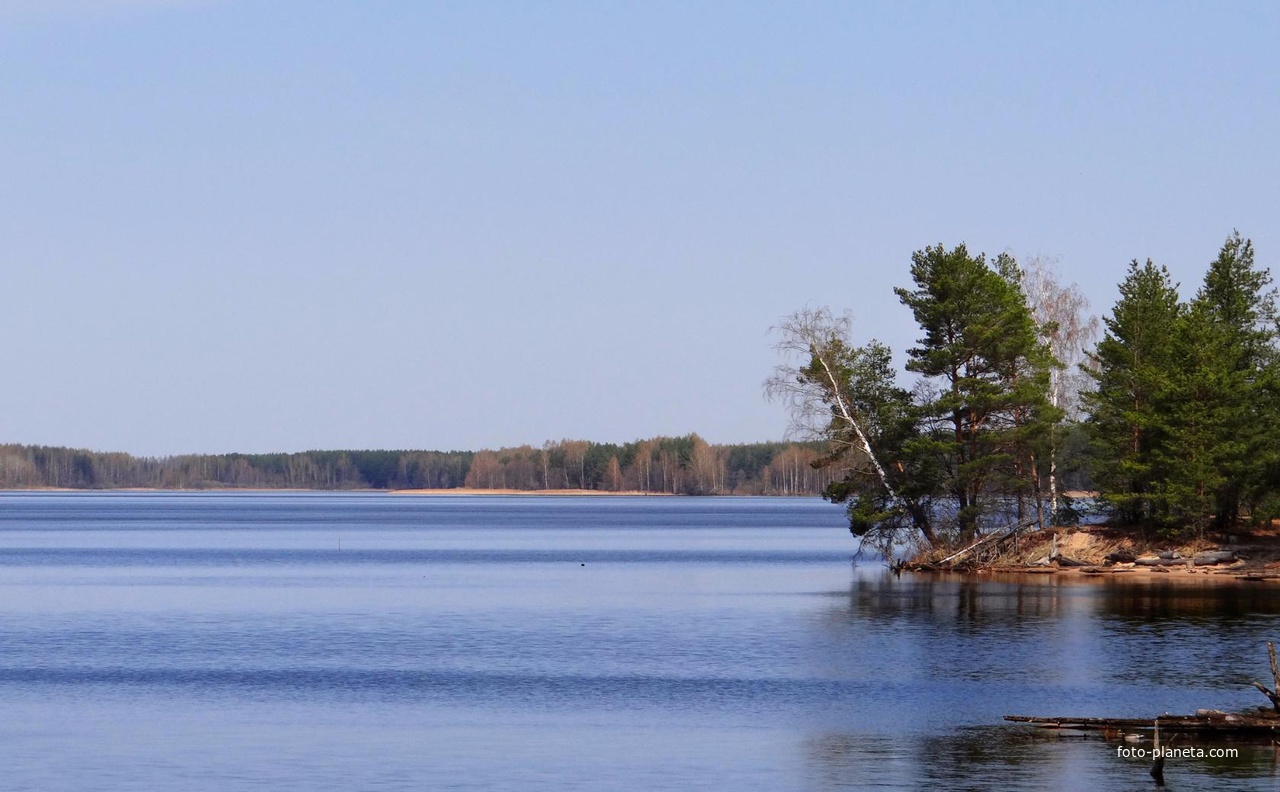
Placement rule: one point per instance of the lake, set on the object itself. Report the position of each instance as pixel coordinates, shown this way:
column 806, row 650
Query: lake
column 299, row 641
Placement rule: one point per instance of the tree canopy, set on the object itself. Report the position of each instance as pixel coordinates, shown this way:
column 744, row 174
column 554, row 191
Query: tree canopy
column 685, row 465
column 966, row 446
column 1174, row 409
column 1186, row 399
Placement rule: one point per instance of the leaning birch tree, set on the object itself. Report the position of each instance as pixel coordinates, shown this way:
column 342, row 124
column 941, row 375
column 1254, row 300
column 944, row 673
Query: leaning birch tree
column 846, row 396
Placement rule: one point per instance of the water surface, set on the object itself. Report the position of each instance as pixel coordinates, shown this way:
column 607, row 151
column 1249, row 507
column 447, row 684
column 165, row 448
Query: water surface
column 366, row 641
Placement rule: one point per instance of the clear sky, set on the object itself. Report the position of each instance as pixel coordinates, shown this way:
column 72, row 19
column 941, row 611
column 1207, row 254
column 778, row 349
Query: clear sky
column 275, row 226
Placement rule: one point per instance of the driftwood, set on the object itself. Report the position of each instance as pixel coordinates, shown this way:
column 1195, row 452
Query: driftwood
column 995, row 538
column 1207, row 558
column 1210, row 721
column 1255, row 723
column 953, row 562
column 1064, row 561
column 1213, row 557
column 1160, row 562
column 1057, row 558
column 1274, row 695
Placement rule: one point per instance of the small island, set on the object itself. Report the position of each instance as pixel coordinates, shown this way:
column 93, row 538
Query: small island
column 1168, row 420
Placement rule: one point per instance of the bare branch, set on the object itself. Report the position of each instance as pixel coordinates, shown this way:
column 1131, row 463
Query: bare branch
column 812, row 340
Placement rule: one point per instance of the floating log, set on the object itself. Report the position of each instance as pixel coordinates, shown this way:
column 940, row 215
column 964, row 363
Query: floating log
column 1208, row 722
column 1259, row 722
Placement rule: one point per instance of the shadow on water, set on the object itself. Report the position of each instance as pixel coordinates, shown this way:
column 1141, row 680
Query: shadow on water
column 1161, row 601
column 1017, row 758
column 951, row 655
column 1209, row 634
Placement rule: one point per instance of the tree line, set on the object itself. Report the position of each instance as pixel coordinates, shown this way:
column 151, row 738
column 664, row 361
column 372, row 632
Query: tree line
column 685, row 465
column 1186, row 410
column 1170, row 415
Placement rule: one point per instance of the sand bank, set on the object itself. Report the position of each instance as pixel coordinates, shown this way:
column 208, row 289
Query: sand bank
column 474, row 491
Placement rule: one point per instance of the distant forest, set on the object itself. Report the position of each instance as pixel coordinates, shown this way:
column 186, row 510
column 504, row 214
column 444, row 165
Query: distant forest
column 685, row 465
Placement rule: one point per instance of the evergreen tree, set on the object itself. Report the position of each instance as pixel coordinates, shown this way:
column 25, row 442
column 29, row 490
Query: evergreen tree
column 990, row 412
column 888, row 418
column 1221, row 412
column 1133, row 368
column 846, row 396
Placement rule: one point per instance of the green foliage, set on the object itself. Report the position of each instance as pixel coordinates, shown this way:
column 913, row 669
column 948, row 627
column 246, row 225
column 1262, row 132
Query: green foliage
column 887, row 418
column 1186, row 402
column 972, row 442
column 1134, row 370
column 986, row 421
column 1221, row 428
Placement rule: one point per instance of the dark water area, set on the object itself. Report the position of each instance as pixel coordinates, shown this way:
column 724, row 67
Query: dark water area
column 367, row 641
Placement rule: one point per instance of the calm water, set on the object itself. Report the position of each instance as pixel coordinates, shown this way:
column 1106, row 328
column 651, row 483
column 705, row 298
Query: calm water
column 348, row 642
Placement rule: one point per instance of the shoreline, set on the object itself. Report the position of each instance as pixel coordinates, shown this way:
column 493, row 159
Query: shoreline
column 452, row 491
column 473, row 491
column 1089, row 575
column 1101, row 552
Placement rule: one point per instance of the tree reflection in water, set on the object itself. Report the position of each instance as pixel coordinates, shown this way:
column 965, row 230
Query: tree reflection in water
column 938, row 661
column 1020, row 758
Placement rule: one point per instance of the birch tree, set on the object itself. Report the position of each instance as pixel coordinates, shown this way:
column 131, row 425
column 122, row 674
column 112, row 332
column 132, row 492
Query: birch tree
column 847, row 397
column 1067, row 328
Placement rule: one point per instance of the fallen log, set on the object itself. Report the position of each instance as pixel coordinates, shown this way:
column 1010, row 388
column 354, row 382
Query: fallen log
column 995, row 538
column 1156, row 561
column 1213, row 557
column 1258, row 722
column 1206, row 721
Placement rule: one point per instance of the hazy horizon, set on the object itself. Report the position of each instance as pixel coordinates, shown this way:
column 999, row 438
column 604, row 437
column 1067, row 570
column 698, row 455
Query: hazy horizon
column 288, row 451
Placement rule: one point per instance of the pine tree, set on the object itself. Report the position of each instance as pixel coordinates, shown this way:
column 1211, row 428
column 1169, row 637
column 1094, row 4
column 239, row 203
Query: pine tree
column 990, row 412
column 1133, row 368
column 1222, row 424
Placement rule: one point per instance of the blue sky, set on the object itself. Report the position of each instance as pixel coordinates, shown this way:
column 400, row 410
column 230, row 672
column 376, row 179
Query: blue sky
column 266, row 225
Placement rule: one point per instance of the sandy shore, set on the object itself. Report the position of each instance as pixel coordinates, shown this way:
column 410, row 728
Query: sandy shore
column 473, row 491
column 1085, row 554
column 1199, row 575
column 269, row 490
